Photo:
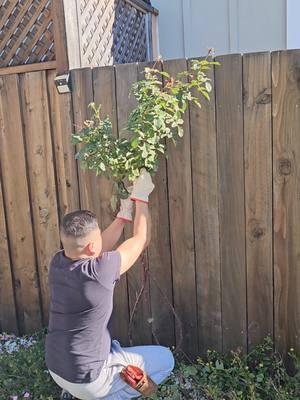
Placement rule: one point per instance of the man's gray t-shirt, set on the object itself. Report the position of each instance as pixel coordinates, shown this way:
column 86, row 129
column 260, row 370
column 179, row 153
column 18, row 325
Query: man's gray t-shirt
column 81, row 303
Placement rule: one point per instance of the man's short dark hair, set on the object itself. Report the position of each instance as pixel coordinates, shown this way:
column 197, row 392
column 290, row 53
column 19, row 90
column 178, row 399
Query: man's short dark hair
column 79, row 223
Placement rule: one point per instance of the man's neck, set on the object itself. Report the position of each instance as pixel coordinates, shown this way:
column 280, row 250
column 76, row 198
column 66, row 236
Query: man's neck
column 78, row 257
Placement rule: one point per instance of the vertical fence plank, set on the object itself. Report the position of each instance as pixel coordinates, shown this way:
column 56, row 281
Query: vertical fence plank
column 8, row 317
column 181, row 229
column 16, row 197
column 61, row 115
column 258, row 195
column 206, row 221
column 159, row 258
column 82, row 96
column 105, row 94
column 126, row 74
column 33, row 88
column 286, row 187
column 228, row 81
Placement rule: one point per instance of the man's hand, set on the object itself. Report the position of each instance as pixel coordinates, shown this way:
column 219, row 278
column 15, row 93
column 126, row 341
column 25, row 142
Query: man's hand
column 125, row 212
column 113, row 232
column 126, row 207
column 142, row 187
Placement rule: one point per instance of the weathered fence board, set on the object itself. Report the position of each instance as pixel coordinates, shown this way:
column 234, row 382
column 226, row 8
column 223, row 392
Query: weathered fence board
column 126, row 74
column 159, row 253
column 105, row 94
column 223, row 252
column 39, row 152
column 17, row 204
column 104, row 82
column 205, row 209
column 228, row 84
column 8, row 317
column 182, row 230
column 286, row 155
column 61, row 115
column 258, row 195
column 82, row 95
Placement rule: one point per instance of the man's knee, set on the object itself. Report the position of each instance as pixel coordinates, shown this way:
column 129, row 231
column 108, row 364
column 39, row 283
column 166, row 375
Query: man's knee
column 167, row 359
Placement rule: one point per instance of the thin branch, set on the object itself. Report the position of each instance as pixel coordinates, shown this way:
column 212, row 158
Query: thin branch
column 139, row 296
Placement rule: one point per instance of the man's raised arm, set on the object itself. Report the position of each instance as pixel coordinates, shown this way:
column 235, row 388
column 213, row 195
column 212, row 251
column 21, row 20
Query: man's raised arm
column 131, row 249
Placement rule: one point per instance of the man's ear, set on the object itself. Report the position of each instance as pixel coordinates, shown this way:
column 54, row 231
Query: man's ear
column 90, row 249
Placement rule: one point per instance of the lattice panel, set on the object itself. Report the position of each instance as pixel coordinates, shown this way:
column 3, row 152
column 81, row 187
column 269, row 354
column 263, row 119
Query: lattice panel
column 112, row 32
column 130, row 36
column 26, row 32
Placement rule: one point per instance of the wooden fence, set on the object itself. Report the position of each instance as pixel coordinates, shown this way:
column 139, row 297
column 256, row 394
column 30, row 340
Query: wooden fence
column 225, row 210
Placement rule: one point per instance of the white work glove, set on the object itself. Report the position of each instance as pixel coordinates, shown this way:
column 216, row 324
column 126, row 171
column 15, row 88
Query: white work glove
column 142, row 187
column 126, row 208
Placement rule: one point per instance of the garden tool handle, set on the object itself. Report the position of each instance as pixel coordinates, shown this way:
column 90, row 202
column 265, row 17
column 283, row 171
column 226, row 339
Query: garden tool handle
column 138, row 380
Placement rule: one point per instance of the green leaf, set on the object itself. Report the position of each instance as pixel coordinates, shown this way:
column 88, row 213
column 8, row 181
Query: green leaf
column 190, row 370
column 219, row 365
column 76, row 139
column 180, row 131
column 135, row 143
column 259, row 377
column 164, row 73
column 204, row 93
column 144, row 154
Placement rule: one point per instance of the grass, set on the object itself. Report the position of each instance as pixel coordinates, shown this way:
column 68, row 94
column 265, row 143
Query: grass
column 259, row 375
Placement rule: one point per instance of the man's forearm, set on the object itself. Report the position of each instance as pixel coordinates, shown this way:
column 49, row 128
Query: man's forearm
column 149, row 226
column 142, row 222
column 112, row 234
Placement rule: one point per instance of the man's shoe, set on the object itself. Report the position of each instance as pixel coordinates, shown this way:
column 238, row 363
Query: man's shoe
column 66, row 396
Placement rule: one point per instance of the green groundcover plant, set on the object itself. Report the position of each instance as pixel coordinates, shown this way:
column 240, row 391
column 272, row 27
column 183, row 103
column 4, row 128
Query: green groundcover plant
column 258, row 375
column 161, row 103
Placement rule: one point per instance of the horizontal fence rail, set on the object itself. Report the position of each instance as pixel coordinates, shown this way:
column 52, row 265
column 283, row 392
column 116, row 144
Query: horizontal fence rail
column 225, row 210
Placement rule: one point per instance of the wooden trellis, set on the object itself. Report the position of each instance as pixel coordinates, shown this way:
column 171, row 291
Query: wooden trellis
column 65, row 34
column 113, row 32
column 26, row 32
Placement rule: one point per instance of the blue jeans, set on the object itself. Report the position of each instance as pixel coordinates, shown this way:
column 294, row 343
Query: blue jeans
column 157, row 361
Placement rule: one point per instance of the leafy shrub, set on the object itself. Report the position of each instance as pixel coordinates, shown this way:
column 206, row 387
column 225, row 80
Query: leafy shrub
column 161, row 103
column 23, row 371
column 259, row 375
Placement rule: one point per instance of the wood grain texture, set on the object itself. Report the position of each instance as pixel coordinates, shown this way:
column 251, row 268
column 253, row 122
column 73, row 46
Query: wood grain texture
column 286, row 187
column 71, row 37
column 8, row 317
column 258, row 195
column 18, row 213
column 17, row 69
column 228, row 83
column 105, row 94
column 39, row 152
column 60, row 37
column 82, row 95
column 126, row 74
column 61, row 116
column 26, row 28
column 206, row 220
column 212, row 216
column 159, row 257
column 181, row 228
